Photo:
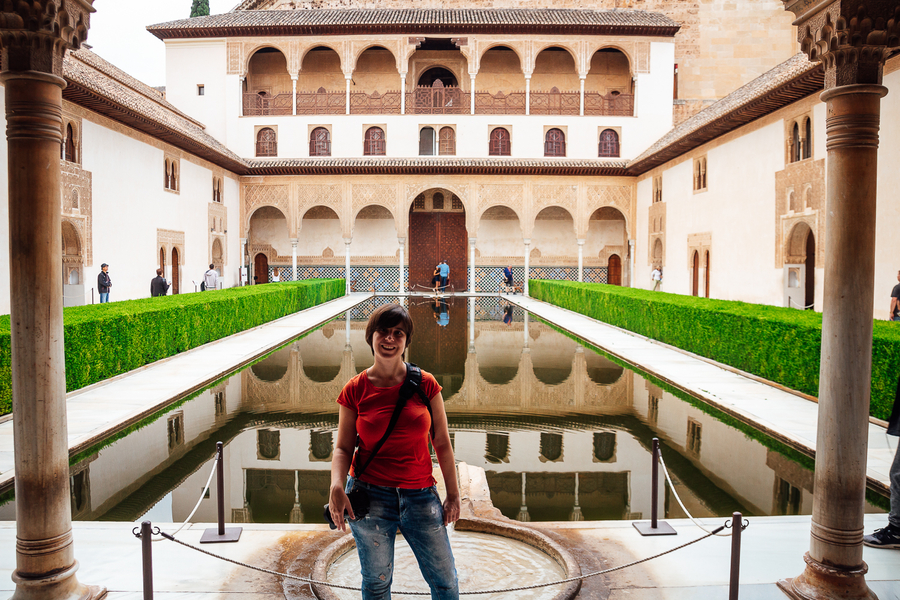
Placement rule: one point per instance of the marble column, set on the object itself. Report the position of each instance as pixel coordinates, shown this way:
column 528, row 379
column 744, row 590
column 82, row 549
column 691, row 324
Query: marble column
column 403, row 93
column 241, row 96
column 581, row 102
column 528, row 94
column 853, row 55
column 34, row 40
column 581, row 260
column 472, row 265
column 527, row 267
column 294, row 95
column 630, row 263
column 472, row 95
column 402, row 242
column 294, row 259
column 347, row 99
column 347, row 277
column 243, row 259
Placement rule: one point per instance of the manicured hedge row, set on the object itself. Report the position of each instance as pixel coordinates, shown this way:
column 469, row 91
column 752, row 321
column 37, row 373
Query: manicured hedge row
column 103, row 340
column 779, row 344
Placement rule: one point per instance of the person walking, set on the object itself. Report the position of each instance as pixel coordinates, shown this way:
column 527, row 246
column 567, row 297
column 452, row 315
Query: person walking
column 104, row 282
column 436, row 278
column 508, row 276
column 889, row 537
column 894, row 313
column 656, row 277
column 398, row 480
column 210, row 279
column 445, row 275
column 158, row 285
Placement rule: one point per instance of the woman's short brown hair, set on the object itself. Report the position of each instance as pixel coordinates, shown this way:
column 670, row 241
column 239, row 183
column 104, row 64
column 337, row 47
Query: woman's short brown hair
column 387, row 316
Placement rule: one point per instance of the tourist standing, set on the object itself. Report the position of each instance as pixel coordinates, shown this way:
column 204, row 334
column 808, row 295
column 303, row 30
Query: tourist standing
column 158, row 285
column 894, row 314
column 210, row 279
column 656, row 277
column 436, row 278
column 889, row 537
column 445, row 275
column 276, row 277
column 507, row 274
column 398, row 481
column 104, row 282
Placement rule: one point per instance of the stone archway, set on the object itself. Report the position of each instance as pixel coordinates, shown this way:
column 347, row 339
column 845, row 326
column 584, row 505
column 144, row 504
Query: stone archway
column 437, row 231
column 73, row 263
column 801, row 250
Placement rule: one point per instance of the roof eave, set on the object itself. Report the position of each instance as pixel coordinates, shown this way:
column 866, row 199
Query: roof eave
column 437, row 169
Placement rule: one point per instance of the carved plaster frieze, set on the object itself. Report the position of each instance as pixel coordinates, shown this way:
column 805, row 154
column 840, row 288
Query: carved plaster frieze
column 218, row 223
column 701, row 243
column 799, row 195
column 167, row 239
column 76, row 196
column 381, row 194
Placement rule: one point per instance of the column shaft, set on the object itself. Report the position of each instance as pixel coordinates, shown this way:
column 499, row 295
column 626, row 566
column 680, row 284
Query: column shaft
column 527, row 267
column 580, row 260
column 294, row 260
column 294, row 96
column 403, row 94
column 243, row 258
column 402, row 264
column 347, row 99
column 472, row 96
column 472, row 265
column 347, row 264
column 528, row 95
column 581, row 110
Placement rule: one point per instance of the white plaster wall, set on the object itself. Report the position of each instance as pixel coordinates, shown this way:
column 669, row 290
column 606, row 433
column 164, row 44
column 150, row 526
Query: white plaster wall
column 193, row 62
column 317, row 234
column 374, row 237
column 887, row 229
column 271, row 231
column 554, row 238
column 500, row 238
column 604, row 233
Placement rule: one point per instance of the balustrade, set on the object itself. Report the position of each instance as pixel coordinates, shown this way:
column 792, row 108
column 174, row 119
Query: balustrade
column 555, row 102
column 500, row 103
column 362, row 103
column 265, row 104
column 321, row 102
column 612, row 104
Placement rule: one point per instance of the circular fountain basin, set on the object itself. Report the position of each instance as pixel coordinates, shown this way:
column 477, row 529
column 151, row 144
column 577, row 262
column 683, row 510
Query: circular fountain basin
column 489, row 556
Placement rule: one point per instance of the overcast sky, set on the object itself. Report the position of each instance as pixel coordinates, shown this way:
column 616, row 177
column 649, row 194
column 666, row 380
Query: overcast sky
column 118, row 33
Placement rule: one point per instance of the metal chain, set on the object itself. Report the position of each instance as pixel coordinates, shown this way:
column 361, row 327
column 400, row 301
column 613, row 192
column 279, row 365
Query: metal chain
column 202, row 496
column 405, row 593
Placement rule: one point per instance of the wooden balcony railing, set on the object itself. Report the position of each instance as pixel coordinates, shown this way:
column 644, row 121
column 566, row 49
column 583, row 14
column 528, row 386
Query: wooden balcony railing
column 279, row 104
column 555, row 102
column 500, row 103
column 321, row 102
column 612, row 104
column 437, row 101
column 387, row 103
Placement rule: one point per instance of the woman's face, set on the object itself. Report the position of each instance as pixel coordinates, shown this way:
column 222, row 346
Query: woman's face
column 389, row 342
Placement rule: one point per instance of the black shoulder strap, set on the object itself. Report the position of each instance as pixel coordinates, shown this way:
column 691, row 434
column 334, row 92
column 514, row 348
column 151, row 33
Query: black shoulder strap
column 410, row 386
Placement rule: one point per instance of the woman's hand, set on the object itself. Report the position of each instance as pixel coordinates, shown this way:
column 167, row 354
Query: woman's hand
column 451, row 509
column 338, row 502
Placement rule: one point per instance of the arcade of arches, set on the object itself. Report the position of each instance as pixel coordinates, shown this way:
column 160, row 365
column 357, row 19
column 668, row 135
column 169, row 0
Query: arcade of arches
column 574, row 228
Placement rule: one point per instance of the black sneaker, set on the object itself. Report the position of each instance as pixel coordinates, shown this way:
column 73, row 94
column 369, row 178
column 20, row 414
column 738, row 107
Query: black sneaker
column 888, row 537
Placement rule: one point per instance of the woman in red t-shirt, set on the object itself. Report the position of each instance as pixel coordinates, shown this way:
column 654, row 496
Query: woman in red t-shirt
column 398, row 480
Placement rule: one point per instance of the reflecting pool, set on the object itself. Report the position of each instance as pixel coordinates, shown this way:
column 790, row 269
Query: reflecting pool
column 563, row 432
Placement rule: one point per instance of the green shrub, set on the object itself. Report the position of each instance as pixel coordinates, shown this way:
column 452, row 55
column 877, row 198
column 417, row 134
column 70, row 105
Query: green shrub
column 104, row 340
column 779, row 344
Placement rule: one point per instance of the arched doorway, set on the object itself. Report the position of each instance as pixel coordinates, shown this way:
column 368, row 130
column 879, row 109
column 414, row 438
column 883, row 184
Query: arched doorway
column 176, row 273
column 218, row 256
column 73, row 289
column 707, row 273
column 800, row 256
column 445, row 76
column 437, row 232
column 614, row 270
column 695, row 274
column 261, row 268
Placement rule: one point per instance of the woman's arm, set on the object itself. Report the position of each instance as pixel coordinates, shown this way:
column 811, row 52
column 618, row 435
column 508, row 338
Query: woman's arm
column 444, row 451
column 340, row 466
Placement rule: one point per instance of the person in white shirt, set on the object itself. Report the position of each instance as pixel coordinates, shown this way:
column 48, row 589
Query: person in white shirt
column 656, row 276
column 211, row 279
column 276, row 276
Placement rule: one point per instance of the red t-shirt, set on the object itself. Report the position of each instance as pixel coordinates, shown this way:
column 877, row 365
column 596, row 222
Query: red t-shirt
column 404, row 460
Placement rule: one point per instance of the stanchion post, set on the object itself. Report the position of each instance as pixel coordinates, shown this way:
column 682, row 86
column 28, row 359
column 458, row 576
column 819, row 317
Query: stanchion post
column 147, row 559
column 220, row 533
column 655, row 526
column 736, row 524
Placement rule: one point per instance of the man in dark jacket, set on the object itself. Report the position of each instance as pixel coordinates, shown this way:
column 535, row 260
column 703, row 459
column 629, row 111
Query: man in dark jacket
column 158, row 285
column 104, row 283
column 889, row 537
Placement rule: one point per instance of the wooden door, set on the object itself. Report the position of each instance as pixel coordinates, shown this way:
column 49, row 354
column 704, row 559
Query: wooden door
column 261, row 268
column 695, row 276
column 433, row 237
column 614, row 270
column 176, row 273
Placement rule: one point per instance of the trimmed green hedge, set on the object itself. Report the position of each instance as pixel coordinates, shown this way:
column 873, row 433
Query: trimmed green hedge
column 104, row 340
column 779, row 344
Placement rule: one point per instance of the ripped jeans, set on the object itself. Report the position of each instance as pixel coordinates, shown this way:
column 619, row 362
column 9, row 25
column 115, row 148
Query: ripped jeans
column 419, row 516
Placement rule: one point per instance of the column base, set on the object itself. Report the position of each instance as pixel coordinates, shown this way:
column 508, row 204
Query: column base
column 58, row 586
column 821, row 582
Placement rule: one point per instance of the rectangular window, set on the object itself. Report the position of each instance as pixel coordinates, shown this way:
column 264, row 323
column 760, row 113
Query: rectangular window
column 201, row 89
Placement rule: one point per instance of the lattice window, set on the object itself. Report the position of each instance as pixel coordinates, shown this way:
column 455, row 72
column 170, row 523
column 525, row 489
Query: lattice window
column 700, row 174
column 173, row 177
column 447, row 145
column 609, row 144
column 426, row 141
column 320, row 142
column 374, row 144
column 70, row 144
column 419, row 202
column 217, row 190
column 166, row 175
column 437, row 201
column 694, row 431
column 266, row 142
column 795, row 143
column 499, row 142
column 807, row 141
column 555, row 143
column 457, row 203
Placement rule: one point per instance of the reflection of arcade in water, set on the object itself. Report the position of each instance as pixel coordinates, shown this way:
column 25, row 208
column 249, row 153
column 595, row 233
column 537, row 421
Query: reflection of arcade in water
column 561, row 432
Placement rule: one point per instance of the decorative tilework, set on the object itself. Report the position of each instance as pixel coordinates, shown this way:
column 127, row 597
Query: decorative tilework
column 488, row 279
column 596, row 274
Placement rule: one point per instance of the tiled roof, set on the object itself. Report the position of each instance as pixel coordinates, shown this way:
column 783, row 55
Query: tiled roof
column 790, row 81
column 105, row 89
column 512, row 20
column 435, row 166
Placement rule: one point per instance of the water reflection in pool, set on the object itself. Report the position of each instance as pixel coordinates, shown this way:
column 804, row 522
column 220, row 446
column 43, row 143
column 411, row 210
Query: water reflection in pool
column 562, row 432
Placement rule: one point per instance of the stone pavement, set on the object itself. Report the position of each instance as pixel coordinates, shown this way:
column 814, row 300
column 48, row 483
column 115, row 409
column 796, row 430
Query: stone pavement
column 99, row 410
column 785, row 416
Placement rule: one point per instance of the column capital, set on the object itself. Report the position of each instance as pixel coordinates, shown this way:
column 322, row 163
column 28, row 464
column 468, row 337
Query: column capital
column 851, row 38
column 527, row 241
column 294, row 243
column 581, row 242
column 472, row 241
column 36, row 35
column 348, row 241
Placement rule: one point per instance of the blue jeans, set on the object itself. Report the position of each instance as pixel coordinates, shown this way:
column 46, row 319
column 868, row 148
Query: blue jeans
column 419, row 516
column 104, row 297
column 894, row 515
